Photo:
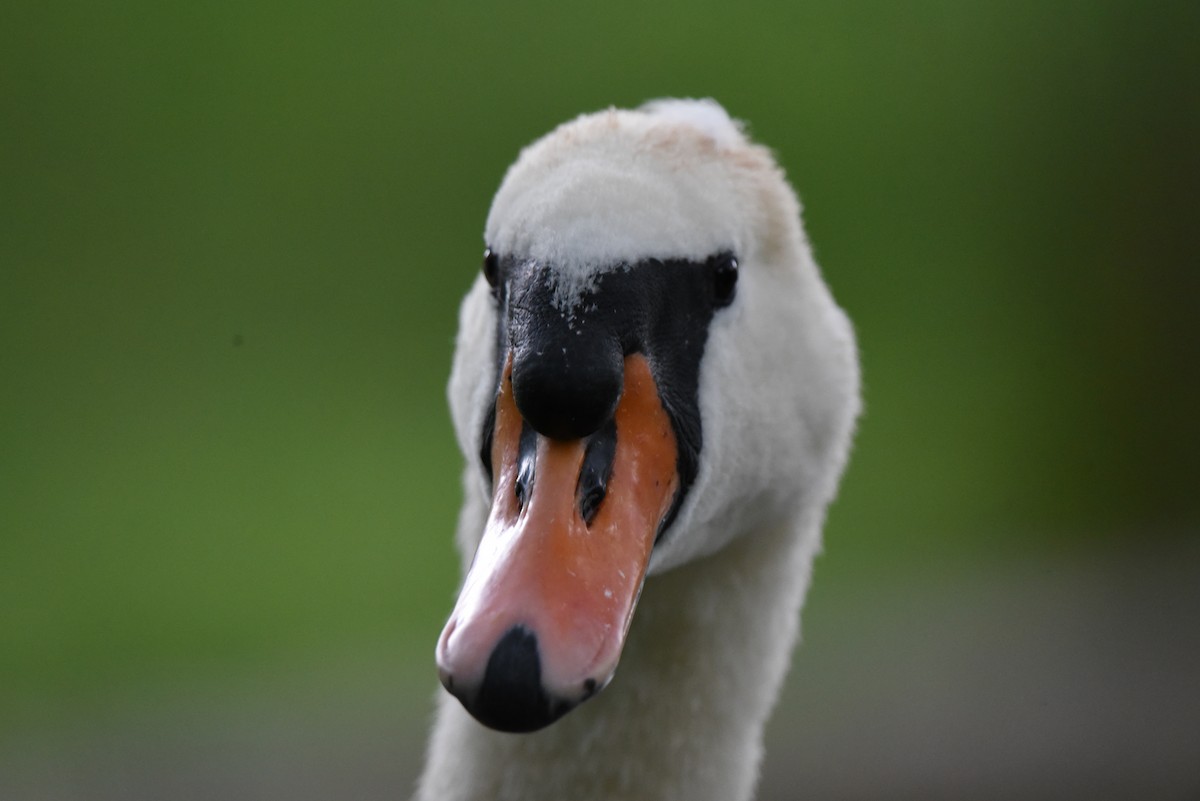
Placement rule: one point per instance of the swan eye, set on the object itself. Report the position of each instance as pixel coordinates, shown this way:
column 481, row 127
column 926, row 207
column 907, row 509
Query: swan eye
column 725, row 275
column 491, row 267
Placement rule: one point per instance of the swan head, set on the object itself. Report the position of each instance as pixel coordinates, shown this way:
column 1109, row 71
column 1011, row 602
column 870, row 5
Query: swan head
column 648, row 366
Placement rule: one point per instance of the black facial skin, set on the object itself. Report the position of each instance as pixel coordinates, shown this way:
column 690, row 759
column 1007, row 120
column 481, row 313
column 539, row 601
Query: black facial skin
column 568, row 365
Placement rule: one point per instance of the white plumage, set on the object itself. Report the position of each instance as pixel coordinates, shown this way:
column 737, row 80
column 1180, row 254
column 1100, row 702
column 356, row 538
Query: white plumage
column 778, row 395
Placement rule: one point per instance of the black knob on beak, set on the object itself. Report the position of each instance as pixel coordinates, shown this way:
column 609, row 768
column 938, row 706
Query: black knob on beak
column 567, row 386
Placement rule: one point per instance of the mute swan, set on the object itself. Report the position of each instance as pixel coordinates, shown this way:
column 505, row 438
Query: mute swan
column 651, row 383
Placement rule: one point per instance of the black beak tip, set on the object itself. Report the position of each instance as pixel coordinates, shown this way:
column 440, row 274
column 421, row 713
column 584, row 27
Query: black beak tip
column 512, row 698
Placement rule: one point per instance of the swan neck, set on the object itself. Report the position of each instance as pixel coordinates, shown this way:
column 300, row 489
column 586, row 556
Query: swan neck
column 684, row 716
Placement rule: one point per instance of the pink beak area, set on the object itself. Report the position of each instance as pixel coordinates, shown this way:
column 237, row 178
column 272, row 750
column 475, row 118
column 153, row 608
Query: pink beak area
column 542, row 616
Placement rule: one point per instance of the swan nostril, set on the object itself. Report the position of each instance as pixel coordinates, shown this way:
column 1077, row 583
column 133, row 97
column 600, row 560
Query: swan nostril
column 526, row 461
column 596, row 470
column 589, row 504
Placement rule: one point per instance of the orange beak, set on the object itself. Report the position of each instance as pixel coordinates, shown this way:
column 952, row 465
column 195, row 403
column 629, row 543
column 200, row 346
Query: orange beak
column 542, row 616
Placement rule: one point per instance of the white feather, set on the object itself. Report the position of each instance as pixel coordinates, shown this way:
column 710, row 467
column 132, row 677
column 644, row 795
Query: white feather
column 668, row 181
column 779, row 395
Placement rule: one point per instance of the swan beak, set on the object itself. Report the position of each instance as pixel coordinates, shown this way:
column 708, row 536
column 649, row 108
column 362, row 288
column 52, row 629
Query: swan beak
column 543, row 613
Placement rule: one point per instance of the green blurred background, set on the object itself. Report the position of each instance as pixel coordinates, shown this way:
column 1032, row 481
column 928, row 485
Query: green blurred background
column 232, row 241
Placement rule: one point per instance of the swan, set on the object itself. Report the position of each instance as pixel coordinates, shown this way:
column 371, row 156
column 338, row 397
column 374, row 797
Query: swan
column 655, row 395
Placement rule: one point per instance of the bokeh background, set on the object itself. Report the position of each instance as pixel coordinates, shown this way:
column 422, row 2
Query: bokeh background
column 232, row 241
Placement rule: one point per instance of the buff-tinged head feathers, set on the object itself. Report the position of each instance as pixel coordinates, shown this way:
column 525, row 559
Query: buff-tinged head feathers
column 673, row 179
